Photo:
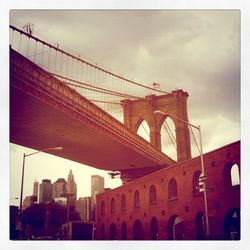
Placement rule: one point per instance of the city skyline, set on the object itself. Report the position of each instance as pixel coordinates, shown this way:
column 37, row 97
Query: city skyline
column 83, row 189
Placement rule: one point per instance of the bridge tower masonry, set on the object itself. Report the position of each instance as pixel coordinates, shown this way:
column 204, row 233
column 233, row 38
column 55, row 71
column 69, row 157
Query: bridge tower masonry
column 175, row 103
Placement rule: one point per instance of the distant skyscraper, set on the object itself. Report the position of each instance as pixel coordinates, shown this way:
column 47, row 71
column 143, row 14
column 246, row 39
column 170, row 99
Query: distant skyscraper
column 71, row 189
column 83, row 207
column 97, row 185
column 71, row 185
column 45, row 194
column 59, row 188
column 35, row 188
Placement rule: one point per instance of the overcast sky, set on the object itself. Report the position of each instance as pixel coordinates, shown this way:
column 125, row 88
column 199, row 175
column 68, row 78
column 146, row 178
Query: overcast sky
column 197, row 51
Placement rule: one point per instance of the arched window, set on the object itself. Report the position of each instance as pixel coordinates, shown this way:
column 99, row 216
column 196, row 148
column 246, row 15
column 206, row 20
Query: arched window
column 123, row 202
column 235, row 176
column 200, row 226
column 172, row 189
column 232, row 224
column 138, row 230
column 154, row 229
column 102, row 232
column 112, row 232
column 195, row 182
column 136, row 199
column 102, row 208
column 112, row 205
column 231, row 175
column 124, row 230
column 144, row 131
column 152, row 195
column 175, row 228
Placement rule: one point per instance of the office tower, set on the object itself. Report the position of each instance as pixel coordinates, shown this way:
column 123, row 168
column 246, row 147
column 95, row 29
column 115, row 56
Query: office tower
column 45, row 191
column 83, row 207
column 35, row 188
column 59, row 188
column 71, row 185
column 97, row 185
column 71, row 189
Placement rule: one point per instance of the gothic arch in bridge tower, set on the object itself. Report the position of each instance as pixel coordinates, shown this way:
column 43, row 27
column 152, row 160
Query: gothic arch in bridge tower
column 175, row 103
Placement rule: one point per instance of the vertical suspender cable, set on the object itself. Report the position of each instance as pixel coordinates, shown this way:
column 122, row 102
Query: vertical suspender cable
column 61, row 63
column 55, row 62
column 12, row 38
column 49, row 58
column 19, row 46
column 27, row 52
column 35, row 53
column 42, row 55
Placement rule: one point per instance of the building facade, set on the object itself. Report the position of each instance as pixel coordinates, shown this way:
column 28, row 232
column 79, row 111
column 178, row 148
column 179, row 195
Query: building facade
column 59, row 188
column 169, row 204
column 71, row 189
column 97, row 187
column 83, row 207
column 35, row 188
column 45, row 191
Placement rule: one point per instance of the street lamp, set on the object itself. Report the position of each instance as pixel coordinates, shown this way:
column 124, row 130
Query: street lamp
column 26, row 155
column 202, row 163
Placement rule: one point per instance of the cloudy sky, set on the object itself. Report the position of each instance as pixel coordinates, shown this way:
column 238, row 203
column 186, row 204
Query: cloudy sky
column 197, row 51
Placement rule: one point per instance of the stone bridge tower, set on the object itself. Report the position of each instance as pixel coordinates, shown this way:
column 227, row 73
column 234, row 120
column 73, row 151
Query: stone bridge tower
column 175, row 103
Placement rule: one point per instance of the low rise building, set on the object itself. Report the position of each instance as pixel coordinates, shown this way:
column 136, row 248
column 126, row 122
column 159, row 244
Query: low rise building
column 169, row 204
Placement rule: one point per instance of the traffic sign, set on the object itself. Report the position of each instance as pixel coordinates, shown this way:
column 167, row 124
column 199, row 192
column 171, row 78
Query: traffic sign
column 203, row 178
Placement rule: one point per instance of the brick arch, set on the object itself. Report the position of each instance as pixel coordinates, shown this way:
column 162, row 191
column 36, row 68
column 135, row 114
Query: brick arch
column 137, row 126
column 175, row 228
column 232, row 224
column 175, row 103
column 227, row 173
column 139, row 122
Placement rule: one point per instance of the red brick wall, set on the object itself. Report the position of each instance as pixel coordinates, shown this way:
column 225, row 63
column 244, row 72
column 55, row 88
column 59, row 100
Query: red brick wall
column 186, row 205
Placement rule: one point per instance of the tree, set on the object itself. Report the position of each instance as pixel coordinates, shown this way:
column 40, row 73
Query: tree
column 35, row 215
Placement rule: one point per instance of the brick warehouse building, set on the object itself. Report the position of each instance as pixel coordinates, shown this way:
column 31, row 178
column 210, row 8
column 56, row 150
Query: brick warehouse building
column 168, row 204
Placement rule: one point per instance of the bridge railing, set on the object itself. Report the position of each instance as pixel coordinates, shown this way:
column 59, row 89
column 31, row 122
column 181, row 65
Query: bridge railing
column 26, row 68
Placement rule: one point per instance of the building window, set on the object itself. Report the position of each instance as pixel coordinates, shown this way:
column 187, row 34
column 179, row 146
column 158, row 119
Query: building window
column 124, row 231
column 231, row 175
column 102, row 232
column 152, row 195
column 136, row 199
column 235, row 176
column 112, row 232
column 112, row 205
column 172, row 189
column 123, row 202
column 154, row 229
column 102, row 208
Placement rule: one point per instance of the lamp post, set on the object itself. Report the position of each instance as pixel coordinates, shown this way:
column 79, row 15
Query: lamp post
column 202, row 163
column 24, row 156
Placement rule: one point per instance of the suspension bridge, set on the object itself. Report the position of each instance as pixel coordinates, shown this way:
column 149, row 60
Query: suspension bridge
column 57, row 98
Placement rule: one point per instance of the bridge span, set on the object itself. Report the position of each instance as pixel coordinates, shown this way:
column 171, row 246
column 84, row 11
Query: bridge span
column 45, row 112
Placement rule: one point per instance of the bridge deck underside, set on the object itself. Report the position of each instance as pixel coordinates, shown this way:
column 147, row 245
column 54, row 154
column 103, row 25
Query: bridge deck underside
column 37, row 125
